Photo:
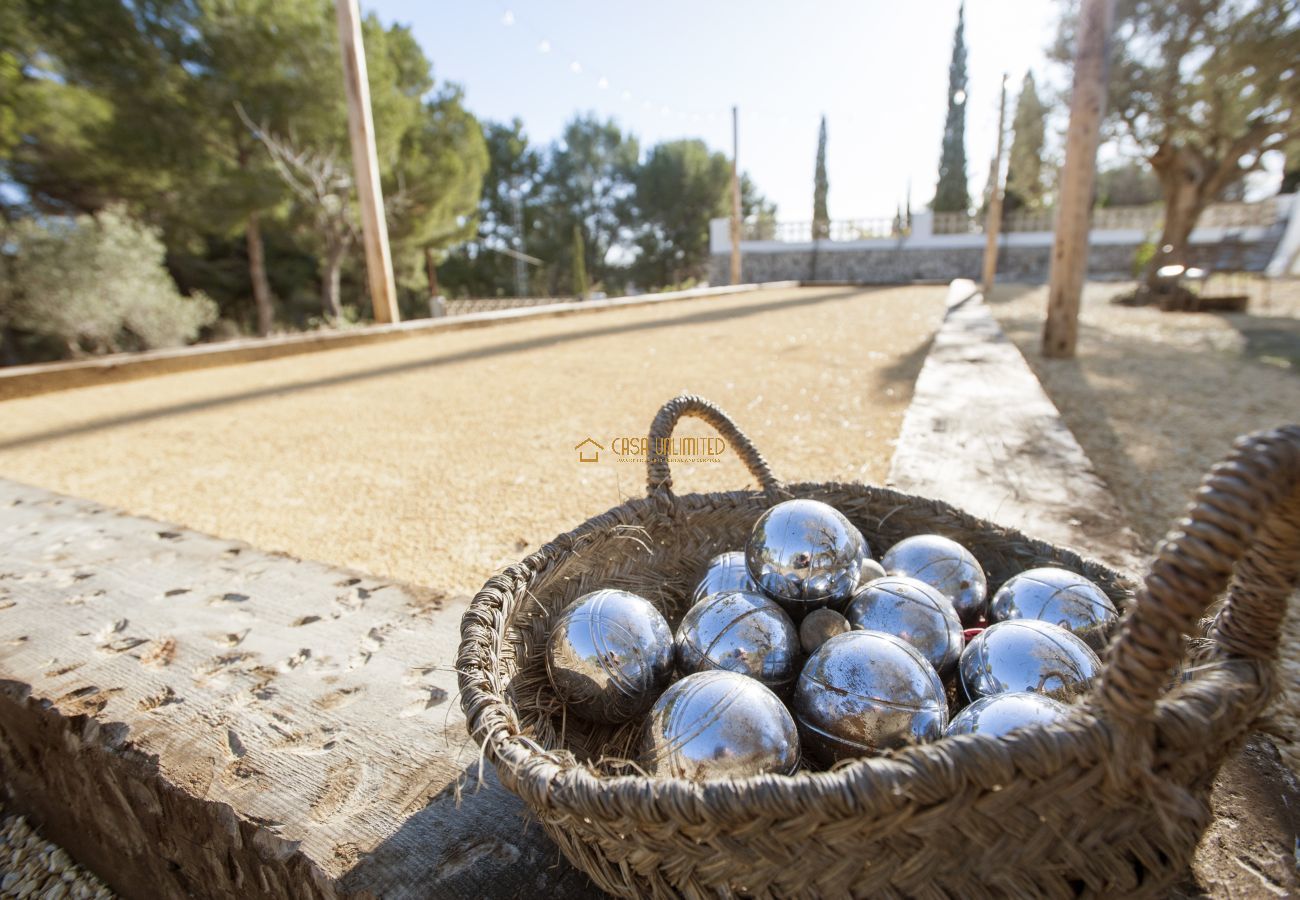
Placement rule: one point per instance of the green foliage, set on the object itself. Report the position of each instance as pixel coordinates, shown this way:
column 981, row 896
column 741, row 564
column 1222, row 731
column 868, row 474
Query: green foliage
column 1128, row 184
column 588, row 180
column 951, row 194
column 1142, row 257
column 115, row 101
column 1025, row 187
column 96, row 284
column 821, row 223
column 433, row 189
column 579, row 264
column 1205, row 88
column 679, row 187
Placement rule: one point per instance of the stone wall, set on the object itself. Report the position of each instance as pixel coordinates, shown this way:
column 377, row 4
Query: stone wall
column 894, row 265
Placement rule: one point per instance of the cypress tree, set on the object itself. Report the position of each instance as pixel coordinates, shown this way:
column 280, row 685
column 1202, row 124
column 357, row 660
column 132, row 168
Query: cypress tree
column 951, row 194
column 1025, row 166
column 579, row 264
column 821, row 227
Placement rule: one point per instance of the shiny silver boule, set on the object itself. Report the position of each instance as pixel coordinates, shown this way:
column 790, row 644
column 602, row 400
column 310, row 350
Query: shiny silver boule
column 719, row 724
column 1058, row 596
column 743, row 632
column 1026, row 655
column 1000, row 713
column 870, row 571
column 725, row 572
column 914, row 611
column 609, row 655
column 806, row 555
column 943, row 564
column 864, row 692
column 819, row 626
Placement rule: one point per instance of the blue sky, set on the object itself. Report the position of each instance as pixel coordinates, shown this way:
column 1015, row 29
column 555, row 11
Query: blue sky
column 672, row 69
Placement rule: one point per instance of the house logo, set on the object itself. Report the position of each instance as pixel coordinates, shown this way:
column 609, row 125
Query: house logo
column 638, row 449
column 589, row 451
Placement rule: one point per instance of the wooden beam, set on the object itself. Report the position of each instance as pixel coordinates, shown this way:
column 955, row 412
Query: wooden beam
column 191, row 717
column 365, row 164
column 735, row 195
column 993, row 216
column 1070, row 245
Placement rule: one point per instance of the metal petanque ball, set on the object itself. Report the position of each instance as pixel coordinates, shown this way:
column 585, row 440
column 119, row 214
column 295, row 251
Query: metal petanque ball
column 914, row 611
column 870, row 571
column 867, row 691
column 1026, row 655
column 1058, row 596
column 719, row 724
column 806, row 555
column 943, row 564
column 819, row 626
column 609, row 655
column 743, row 632
column 1000, row 713
column 725, row 572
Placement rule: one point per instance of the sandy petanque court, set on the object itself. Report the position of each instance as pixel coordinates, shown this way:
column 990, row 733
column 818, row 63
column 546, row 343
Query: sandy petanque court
column 437, row 459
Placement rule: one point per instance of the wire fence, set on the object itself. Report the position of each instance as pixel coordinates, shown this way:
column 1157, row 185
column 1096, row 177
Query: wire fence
column 835, row 230
column 1113, row 218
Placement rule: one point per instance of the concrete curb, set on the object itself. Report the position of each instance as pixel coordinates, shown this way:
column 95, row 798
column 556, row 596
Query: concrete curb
column 982, row 434
column 26, row 381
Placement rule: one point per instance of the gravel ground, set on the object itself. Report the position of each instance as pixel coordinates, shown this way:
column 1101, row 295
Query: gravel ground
column 1157, row 398
column 437, row 459
column 33, row 867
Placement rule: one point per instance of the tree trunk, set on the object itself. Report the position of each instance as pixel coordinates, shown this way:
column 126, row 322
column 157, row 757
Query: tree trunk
column 331, row 271
column 1187, row 184
column 262, row 299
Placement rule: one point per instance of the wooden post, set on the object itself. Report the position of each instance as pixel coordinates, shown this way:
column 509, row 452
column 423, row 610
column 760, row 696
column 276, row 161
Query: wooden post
column 365, row 164
column 735, row 195
column 1070, row 246
column 993, row 216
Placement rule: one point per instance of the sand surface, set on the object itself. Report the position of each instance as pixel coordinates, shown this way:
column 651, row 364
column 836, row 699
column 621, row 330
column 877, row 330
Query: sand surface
column 438, row 459
column 1157, row 398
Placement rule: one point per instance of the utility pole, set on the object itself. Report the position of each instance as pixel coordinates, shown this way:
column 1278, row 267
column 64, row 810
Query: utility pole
column 365, row 164
column 735, row 195
column 993, row 216
column 1070, row 245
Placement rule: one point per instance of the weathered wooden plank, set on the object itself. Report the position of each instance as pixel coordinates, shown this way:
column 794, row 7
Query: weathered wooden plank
column 41, row 378
column 982, row 434
column 191, row 717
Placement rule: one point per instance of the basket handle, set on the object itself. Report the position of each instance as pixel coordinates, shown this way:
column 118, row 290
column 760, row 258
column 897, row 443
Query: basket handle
column 1245, row 521
column 659, row 480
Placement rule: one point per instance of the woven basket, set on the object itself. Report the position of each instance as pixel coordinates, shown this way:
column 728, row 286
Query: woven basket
column 1110, row 802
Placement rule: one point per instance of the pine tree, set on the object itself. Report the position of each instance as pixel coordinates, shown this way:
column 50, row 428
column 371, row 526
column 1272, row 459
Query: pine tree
column 821, row 226
column 1025, row 170
column 579, row 264
column 951, row 194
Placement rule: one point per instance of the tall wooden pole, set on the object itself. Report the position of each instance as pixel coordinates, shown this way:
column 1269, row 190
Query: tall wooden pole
column 365, row 164
column 993, row 217
column 735, row 195
column 1070, row 246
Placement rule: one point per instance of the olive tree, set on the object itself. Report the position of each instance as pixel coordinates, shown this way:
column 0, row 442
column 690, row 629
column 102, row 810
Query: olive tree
column 1204, row 88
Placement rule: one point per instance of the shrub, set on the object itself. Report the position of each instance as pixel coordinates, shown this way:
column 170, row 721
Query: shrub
column 96, row 284
column 1142, row 257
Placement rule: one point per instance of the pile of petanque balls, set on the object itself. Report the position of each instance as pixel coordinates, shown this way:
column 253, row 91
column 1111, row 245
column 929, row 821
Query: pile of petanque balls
column 803, row 648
